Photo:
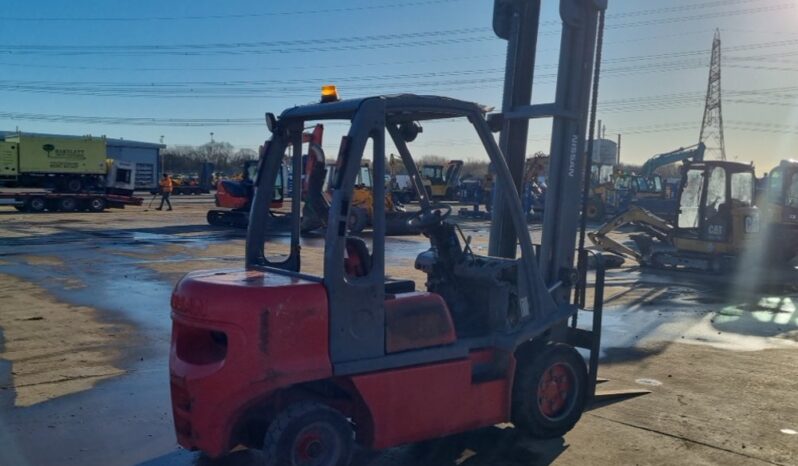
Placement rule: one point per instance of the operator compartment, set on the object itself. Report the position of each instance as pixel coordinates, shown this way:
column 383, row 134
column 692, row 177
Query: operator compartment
column 413, row 320
column 478, row 290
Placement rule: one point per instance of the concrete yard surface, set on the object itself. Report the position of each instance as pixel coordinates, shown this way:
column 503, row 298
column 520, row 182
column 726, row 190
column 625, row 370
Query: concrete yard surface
column 85, row 332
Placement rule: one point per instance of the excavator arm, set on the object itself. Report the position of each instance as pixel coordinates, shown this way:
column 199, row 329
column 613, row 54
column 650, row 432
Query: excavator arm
column 637, row 216
column 694, row 153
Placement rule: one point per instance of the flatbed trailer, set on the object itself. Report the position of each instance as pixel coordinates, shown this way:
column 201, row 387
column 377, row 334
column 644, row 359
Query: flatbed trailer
column 190, row 190
column 41, row 201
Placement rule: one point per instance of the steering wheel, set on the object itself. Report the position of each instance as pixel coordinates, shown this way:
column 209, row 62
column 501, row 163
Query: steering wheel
column 431, row 216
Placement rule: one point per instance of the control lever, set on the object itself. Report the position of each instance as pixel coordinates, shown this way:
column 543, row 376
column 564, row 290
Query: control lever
column 467, row 240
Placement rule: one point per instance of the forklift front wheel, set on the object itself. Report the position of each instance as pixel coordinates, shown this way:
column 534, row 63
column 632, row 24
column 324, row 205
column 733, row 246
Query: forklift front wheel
column 550, row 391
column 309, row 433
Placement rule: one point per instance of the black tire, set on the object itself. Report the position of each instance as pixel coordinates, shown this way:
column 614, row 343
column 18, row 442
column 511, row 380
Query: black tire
column 36, row 204
column 595, row 210
column 215, row 218
column 73, row 185
column 398, row 224
column 67, row 204
column 308, row 434
column 96, row 204
column 358, row 219
column 550, row 391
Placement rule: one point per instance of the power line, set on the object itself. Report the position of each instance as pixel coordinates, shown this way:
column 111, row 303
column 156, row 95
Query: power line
column 784, row 94
column 347, row 65
column 418, row 3
column 365, row 84
column 229, row 16
column 134, row 121
column 317, row 45
column 713, row 15
column 377, row 41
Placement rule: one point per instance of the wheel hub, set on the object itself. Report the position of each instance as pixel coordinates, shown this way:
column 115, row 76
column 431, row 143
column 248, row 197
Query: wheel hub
column 554, row 390
column 309, row 447
column 316, row 445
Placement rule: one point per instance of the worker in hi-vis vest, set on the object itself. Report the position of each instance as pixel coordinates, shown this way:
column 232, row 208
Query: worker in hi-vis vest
column 166, row 191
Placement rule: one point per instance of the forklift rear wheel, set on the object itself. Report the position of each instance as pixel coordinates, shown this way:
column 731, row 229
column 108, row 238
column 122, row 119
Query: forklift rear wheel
column 309, row 434
column 550, row 391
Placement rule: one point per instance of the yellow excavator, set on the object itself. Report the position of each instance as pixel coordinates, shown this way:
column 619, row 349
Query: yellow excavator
column 441, row 181
column 716, row 221
column 361, row 211
column 779, row 206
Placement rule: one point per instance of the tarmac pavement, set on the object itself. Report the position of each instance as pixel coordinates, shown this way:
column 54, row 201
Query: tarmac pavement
column 85, row 329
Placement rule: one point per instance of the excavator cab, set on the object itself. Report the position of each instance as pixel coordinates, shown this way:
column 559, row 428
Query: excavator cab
column 780, row 210
column 441, row 181
column 651, row 186
column 716, row 206
column 781, row 203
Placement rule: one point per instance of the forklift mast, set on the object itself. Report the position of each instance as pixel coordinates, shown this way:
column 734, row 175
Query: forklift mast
column 517, row 21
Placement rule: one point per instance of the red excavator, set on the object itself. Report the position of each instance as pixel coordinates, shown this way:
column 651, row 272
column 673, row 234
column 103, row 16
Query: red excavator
column 236, row 195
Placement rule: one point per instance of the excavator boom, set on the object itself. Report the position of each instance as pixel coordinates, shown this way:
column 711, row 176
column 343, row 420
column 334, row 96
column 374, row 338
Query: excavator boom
column 694, row 153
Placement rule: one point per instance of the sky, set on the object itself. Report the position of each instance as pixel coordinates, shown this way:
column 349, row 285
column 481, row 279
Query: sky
column 184, row 69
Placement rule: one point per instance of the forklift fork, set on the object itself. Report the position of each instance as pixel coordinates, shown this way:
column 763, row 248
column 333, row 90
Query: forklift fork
column 589, row 339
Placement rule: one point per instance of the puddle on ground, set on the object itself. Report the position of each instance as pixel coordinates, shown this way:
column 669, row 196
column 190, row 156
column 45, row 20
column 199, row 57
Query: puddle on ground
column 55, row 349
column 648, row 382
column 48, row 261
column 741, row 331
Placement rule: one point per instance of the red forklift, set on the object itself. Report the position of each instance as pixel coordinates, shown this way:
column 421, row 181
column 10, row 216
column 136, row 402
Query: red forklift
column 305, row 365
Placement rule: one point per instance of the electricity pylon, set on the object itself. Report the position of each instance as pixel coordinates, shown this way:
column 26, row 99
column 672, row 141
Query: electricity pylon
column 712, row 125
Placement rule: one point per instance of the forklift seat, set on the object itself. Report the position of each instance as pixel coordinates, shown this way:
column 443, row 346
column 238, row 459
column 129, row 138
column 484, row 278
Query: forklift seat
column 417, row 320
column 357, row 262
